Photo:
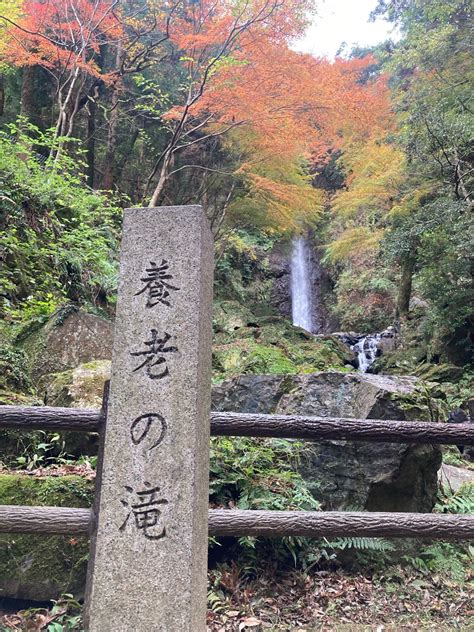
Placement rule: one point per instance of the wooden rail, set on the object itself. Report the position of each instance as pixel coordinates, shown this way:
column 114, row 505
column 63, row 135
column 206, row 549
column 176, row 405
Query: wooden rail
column 60, row 520
column 276, row 524
column 48, row 418
column 321, row 428
column 251, row 425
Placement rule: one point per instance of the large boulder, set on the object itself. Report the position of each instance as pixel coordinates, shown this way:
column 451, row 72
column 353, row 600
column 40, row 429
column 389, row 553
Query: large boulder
column 70, row 338
column 274, row 346
column 347, row 474
column 82, row 387
column 230, row 316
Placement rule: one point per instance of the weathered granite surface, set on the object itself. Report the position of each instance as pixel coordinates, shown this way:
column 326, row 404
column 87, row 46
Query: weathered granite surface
column 68, row 339
column 150, row 556
column 345, row 475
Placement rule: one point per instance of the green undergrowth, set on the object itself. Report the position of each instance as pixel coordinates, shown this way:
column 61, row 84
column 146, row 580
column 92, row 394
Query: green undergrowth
column 251, row 473
column 59, row 237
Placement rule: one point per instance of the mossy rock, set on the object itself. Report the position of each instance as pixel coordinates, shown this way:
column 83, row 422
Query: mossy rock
column 269, row 360
column 324, row 354
column 43, row 567
column 230, row 316
column 81, row 387
column 443, row 372
column 69, row 338
column 276, row 347
column 400, row 361
column 13, row 398
column 247, row 356
column 422, row 404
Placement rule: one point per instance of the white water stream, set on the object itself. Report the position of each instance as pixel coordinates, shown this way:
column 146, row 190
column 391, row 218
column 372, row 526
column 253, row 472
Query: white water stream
column 366, row 349
column 301, row 294
column 303, row 303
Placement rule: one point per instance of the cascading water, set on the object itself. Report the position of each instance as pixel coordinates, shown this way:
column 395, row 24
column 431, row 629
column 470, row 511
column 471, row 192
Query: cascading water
column 301, row 294
column 366, row 349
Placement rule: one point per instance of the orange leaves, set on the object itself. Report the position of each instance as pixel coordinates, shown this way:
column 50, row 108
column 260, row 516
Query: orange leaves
column 280, row 106
column 375, row 173
column 296, row 105
column 58, row 34
column 354, row 242
column 281, row 191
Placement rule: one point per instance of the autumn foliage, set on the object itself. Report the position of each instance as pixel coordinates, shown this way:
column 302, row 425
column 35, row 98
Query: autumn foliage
column 281, row 112
column 62, row 35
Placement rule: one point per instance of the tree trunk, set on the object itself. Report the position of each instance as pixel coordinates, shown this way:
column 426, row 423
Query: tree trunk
column 28, row 104
column 120, row 166
column 91, row 143
column 404, row 290
column 110, row 162
column 168, row 161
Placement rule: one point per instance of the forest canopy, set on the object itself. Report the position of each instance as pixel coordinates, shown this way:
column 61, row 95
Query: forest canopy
column 142, row 102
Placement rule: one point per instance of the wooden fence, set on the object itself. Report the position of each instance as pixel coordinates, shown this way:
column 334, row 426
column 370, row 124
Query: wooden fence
column 155, row 562
column 49, row 520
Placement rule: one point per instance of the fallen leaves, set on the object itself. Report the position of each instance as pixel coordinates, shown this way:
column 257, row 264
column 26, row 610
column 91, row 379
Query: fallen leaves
column 324, row 601
column 327, row 601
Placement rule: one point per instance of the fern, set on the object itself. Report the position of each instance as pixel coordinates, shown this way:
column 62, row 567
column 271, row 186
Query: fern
column 216, row 601
column 362, row 544
column 460, row 502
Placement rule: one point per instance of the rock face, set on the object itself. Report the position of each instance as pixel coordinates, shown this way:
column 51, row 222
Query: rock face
column 82, row 387
column 345, row 474
column 67, row 340
column 279, row 270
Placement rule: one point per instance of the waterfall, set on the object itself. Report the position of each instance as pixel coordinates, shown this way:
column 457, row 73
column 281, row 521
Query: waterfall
column 366, row 349
column 301, row 293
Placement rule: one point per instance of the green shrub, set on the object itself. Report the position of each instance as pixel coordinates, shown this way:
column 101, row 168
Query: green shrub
column 59, row 238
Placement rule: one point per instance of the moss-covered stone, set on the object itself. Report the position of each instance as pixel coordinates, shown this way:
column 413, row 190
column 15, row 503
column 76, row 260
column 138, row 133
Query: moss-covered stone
column 416, row 353
column 276, row 347
column 229, row 316
column 68, row 339
column 43, row 567
column 81, row 387
column 14, row 398
column 443, row 372
column 247, row 356
column 55, row 388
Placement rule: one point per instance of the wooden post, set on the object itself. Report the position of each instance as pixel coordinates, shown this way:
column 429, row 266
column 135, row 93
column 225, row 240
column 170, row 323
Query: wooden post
column 149, row 562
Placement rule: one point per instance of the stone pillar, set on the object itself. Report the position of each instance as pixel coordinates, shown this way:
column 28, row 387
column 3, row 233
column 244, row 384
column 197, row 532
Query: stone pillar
column 149, row 556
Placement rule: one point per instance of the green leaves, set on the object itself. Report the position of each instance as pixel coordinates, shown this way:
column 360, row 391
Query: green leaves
column 257, row 474
column 59, row 237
